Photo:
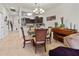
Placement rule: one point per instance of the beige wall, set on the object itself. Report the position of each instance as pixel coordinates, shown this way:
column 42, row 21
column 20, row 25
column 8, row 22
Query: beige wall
column 70, row 12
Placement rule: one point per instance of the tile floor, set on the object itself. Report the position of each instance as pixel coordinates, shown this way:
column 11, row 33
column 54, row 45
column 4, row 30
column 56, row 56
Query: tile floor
column 12, row 46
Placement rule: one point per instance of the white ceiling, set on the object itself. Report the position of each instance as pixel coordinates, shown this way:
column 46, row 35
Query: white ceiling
column 31, row 6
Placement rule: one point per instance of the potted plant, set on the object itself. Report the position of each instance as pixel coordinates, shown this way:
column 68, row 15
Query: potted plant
column 56, row 24
column 62, row 24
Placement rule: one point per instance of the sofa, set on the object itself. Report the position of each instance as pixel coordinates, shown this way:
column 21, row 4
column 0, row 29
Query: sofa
column 72, row 41
column 71, row 48
column 63, row 51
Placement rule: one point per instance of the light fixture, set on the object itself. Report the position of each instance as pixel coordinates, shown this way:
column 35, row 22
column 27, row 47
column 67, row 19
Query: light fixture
column 12, row 9
column 38, row 10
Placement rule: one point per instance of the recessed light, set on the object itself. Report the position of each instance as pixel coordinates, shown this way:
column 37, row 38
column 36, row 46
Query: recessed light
column 29, row 14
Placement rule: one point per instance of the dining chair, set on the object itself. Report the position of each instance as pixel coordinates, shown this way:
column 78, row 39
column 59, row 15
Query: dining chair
column 49, row 34
column 40, row 38
column 25, row 39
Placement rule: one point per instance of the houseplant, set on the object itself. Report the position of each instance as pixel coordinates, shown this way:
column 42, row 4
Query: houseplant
column 56, row 24
column 62, row 25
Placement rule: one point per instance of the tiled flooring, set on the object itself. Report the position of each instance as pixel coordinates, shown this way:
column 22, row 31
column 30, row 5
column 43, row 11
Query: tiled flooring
column 12, row 46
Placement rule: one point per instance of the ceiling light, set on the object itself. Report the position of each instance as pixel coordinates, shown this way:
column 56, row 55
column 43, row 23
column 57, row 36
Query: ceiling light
column 12, row 9
column 29, row 14
column 38, row 10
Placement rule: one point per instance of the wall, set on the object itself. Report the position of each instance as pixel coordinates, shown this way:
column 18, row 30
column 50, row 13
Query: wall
column 70, row 12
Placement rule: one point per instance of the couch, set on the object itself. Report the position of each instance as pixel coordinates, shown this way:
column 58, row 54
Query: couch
column 64, row 51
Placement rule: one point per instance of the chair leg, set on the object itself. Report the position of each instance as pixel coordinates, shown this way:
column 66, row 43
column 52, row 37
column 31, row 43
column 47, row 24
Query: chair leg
column 33, row 43
column 24, row 45
column 35, row 48
column 45, row 47
column 50, row 41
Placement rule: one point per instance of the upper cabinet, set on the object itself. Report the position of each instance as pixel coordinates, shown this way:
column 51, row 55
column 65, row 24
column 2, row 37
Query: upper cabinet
column 38, row 20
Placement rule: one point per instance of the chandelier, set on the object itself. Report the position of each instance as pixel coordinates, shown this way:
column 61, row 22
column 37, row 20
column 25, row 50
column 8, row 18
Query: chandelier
column 38, row 10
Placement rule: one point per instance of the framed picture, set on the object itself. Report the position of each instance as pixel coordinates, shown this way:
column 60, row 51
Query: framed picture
column 50, row 18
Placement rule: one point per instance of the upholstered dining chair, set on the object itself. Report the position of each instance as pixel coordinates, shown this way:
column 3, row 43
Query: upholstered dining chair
column 26, row 39
column 40, row 38
column 49, row 33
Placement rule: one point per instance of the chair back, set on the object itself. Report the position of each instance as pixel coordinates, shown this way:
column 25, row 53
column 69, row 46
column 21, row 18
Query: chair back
column 41, row 34
column 23, row 33
column 49, row 31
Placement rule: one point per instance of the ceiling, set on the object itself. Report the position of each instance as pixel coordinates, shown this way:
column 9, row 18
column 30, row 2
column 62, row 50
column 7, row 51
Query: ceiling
column 30, row 6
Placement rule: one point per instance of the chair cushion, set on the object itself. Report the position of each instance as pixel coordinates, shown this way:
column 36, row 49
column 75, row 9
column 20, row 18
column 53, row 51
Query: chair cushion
column 40, row 42
column 28, row 37
column 48, row 35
